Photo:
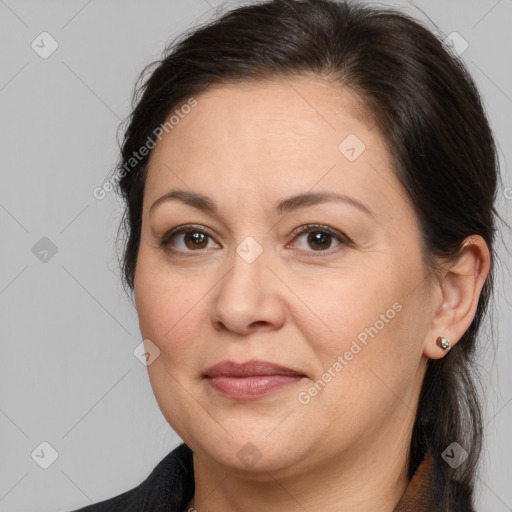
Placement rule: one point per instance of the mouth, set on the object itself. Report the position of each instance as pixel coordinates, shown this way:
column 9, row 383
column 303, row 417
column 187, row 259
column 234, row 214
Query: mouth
column 249, row 369
column 251, row 379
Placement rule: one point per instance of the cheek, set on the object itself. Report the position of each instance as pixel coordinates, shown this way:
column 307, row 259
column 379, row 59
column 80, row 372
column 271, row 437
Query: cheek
column 167, row 307
column 162, row 299
column 368, row 370
column 361, row 330
column 173, row 312
column 352, row 307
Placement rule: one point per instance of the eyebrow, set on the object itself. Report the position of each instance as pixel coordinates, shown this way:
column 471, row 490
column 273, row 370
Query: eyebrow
column 289, row 204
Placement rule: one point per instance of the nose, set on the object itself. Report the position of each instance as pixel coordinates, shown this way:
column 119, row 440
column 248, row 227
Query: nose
column 248, row 298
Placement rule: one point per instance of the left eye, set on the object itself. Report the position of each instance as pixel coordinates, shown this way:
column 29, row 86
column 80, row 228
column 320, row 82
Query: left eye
column 319, row 238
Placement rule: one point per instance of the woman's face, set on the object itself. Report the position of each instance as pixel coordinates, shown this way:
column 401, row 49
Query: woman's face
column 344, row 304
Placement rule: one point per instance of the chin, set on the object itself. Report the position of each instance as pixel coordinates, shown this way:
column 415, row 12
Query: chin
column 253, row 454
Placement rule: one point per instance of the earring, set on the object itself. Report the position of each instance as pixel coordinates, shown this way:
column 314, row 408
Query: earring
column 443, row 343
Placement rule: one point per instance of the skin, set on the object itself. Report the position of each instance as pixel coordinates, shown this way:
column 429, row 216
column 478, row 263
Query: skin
column 299, row 304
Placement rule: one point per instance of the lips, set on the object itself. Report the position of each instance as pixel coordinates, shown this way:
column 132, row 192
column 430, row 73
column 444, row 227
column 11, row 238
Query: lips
column 249, row 369
column 250, row 380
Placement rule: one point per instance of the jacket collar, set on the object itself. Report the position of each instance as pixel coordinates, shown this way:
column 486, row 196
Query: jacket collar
column 170, row 486
column 418, row 496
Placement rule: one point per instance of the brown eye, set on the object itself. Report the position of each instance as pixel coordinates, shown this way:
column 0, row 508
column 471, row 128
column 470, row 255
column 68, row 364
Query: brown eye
column 195, row 239
column 185, row 239
column 320, row 239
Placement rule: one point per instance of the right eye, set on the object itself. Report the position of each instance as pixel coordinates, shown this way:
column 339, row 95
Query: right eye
column 188, row 238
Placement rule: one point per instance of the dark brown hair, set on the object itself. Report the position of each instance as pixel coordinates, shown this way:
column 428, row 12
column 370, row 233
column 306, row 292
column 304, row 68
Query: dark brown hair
column 431, row 117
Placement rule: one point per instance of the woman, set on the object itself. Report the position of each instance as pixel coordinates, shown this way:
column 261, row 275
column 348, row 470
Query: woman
column 310, row 221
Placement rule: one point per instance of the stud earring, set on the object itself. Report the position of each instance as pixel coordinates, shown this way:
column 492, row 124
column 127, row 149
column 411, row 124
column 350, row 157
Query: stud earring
column 443, row 343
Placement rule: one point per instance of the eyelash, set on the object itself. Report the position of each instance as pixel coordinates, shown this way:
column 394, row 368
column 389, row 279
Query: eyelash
column 308, row 228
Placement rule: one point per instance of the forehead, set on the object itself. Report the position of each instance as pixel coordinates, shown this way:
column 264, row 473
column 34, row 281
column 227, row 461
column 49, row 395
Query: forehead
column 273, row 138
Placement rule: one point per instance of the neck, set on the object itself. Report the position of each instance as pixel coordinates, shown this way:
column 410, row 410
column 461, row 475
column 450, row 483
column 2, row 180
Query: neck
column 373, row 479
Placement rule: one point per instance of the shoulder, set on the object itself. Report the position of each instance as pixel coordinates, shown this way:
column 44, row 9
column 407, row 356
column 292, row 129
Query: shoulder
column 129, row 501
column 169, row 486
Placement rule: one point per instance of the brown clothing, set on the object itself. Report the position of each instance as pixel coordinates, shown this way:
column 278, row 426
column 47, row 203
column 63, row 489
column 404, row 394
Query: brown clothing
column 418, row 496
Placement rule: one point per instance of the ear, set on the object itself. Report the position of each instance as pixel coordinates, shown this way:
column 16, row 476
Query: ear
column 456, row 293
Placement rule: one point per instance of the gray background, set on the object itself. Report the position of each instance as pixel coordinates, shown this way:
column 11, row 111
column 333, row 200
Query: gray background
column 68, row 375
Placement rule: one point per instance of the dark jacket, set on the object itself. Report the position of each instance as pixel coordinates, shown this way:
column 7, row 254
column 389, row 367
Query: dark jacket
column 170, row 487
